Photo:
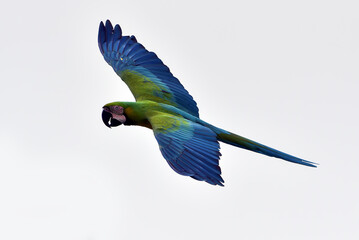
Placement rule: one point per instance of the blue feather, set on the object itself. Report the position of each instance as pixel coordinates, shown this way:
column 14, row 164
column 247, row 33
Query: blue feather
column 148, row 61
column 133, row 38
column 123, row 42
column 189, row 147
column 117, row 33
column 109, row 31
column 147, row 56
column 116, row 46
column 129, row 48
column 135, row 47
column 201, row 161
column 200, row 171
column 138, row 50
column 101, row 36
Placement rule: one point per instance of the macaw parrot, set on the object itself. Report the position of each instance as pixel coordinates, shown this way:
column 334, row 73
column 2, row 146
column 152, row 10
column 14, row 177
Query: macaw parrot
column 189, row 144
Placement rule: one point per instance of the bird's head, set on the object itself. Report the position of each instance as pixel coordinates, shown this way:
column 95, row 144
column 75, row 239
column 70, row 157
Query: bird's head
column 113, row 115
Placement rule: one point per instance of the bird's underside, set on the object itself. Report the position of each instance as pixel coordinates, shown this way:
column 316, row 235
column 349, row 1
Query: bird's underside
column 190, row 145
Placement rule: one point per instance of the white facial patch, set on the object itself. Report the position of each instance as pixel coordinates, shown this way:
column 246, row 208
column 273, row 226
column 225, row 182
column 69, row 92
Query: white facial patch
column 119, row 117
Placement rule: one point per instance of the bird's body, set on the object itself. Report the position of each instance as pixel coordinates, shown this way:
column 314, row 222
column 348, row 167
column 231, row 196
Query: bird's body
column 189, row 144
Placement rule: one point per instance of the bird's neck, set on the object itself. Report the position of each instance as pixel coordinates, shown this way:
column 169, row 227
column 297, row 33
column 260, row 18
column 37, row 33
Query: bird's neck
column 135, row 114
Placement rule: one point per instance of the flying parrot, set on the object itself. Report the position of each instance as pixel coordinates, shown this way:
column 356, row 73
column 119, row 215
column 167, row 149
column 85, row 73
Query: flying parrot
column 189, row 144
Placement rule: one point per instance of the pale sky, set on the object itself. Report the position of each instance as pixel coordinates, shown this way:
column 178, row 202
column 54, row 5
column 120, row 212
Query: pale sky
column 281, row 73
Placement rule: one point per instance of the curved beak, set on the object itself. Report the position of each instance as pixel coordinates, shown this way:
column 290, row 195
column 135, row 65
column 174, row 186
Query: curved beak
column 106, row 117
column 108, row 120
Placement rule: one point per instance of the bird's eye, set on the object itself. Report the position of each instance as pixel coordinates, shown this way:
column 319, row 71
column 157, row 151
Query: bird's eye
column 121, row 59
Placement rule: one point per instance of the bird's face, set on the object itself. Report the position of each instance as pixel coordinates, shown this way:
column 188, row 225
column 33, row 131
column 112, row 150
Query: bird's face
column 113, row 116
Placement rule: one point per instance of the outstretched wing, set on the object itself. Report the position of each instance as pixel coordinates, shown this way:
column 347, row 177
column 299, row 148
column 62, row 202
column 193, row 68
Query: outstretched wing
column 189, row 148
column 143, row 72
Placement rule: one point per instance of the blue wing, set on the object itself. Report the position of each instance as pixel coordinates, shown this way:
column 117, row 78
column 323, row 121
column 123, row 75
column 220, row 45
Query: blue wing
column 189, row 148
column 143, row 72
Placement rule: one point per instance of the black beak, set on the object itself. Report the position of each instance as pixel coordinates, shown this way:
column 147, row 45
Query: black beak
column 108, row 120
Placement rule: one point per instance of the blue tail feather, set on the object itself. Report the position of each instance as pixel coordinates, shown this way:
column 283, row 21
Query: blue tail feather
column 248, row 144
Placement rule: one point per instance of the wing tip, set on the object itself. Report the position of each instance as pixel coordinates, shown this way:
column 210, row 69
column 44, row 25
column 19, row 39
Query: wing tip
column 212, row 181
column 108, row 23
column 108, row 33
column 109, row 30
column 101, row 36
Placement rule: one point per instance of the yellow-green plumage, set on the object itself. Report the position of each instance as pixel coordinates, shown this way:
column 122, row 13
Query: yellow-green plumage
column 144, row 89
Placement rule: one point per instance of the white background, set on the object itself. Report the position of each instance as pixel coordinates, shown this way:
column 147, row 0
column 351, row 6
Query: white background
column 283, row 73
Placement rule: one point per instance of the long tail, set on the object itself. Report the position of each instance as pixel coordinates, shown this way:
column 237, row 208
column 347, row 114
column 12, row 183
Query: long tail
column 248, row 144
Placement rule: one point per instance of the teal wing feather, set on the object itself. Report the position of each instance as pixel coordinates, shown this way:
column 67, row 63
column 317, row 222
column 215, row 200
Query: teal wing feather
column 143, row 72
column 189, row 148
